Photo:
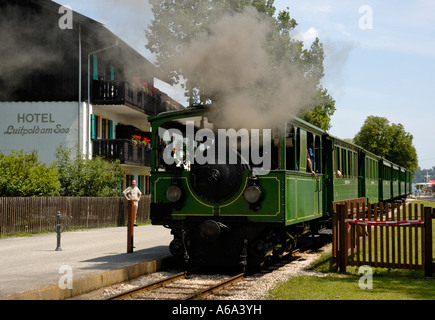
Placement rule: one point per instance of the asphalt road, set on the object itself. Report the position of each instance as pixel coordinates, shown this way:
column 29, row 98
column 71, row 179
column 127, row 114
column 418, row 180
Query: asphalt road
column 29, row 263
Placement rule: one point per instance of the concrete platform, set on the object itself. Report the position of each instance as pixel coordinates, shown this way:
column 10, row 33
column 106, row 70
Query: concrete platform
column 31, row 269
column 424, row 197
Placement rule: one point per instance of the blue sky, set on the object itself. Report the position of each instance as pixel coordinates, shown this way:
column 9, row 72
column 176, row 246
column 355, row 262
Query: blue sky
column 380, row 57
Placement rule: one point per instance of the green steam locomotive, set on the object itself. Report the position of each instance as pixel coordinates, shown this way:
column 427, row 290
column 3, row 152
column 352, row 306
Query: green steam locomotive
column 235, row 197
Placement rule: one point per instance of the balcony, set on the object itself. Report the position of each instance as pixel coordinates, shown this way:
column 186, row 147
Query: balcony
column 147, row 100
column 123, row 150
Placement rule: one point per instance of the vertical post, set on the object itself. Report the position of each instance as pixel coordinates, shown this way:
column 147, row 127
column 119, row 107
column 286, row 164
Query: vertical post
column 58, row 230
column 427, row 242
column 335, row 234
column 130, row 228
column 342, row 234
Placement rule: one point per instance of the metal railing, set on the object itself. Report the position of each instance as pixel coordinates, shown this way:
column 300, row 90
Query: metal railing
column 123, row 150
column 136, row 96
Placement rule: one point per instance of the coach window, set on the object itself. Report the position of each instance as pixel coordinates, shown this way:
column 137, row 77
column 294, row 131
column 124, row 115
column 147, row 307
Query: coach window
column 340, row 163
column 290, row 148
column 317, row 148
column 370, row 169
column 343, row 163
column 351, row 161
column 337, row 163
column 376, row 169
column 298, row 150
column 302, row 148
column 355, row 165
column 313, row 142
column 276, row 154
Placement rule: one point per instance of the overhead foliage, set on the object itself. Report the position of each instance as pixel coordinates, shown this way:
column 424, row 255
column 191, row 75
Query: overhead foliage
column 292, row 69
column 322, row 110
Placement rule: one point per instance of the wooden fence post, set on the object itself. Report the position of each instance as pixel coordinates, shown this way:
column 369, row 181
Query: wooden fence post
column 427, row 257
column 130, row 227
column 342, row 237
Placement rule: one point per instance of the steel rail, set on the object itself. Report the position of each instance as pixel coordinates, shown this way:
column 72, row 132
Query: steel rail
column 156, row 284
column 212, row 289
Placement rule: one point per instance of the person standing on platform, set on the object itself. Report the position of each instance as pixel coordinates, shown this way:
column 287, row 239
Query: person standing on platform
column 133, row 193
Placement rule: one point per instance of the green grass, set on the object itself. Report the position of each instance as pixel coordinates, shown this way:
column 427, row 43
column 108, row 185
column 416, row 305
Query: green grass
column 346, row 287
column 326, row 284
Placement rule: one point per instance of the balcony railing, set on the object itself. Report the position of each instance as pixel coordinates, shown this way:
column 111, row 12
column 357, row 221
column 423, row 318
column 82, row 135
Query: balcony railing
column 122, row 149
column 139, row 97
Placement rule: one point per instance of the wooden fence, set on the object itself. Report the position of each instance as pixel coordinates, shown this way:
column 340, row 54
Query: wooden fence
column 30, row 214
column 383, row 235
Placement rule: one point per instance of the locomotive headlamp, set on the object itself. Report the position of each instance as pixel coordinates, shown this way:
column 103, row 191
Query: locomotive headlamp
column 252, row 194
column 173, row 194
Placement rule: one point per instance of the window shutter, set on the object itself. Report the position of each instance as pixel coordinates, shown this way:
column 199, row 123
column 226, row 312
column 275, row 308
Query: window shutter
column 94, row 67
column 110, row 129
column 93, row 127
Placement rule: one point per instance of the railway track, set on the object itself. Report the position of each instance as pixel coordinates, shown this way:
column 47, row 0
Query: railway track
column 253, row 285
column 184, row 286
column 129, row 293
column 180, row 286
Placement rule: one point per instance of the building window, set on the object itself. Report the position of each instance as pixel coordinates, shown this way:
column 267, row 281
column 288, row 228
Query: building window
column 128, row 179
column 104, row 128
column 140, row 183
column 147, row 185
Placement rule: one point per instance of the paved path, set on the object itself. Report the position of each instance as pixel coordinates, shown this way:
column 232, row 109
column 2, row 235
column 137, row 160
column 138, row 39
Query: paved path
column 29, row 263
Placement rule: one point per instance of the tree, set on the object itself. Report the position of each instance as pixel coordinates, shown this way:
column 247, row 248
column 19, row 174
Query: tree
column 402, row 151
column 321, row 112
column 22, row 175
column 374, row 136
column 388, row 141
column 83, row 177
column 287, row 74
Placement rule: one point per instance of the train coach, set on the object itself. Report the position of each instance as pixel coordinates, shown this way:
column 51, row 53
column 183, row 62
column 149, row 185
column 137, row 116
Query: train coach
column 230, row 209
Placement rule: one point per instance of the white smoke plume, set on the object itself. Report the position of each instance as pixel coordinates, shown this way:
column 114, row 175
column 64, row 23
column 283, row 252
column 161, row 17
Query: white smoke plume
column 231, row 62
column 20, row 55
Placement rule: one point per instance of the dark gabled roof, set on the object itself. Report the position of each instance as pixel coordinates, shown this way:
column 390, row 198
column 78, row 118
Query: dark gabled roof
column 80, row 19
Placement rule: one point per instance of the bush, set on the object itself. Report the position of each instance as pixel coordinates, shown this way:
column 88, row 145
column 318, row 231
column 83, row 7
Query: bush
column 22, row 175
column 83, row 177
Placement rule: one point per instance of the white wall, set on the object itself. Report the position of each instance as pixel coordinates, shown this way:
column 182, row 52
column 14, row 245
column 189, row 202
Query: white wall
column 38, row 126
column 122, row 114
column 128, row 116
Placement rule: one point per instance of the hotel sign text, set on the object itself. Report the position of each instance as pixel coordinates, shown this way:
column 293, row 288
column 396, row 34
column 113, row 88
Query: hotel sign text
column 35, row 123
